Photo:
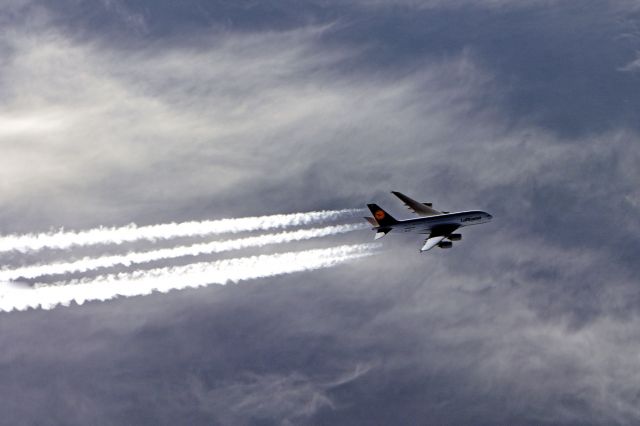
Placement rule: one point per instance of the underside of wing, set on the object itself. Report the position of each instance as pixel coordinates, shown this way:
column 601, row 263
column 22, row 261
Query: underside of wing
column 437, row 235
column 431, row 242
column 417, row 207
column 442, row 230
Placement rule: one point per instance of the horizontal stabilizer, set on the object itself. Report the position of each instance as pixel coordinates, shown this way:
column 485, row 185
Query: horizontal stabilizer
column 372, row 221
column 381, row 233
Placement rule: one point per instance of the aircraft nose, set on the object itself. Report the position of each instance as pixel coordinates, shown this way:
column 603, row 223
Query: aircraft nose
column 489, row 216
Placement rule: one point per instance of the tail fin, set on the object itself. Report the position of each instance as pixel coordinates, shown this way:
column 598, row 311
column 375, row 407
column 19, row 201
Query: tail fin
column 383, row 218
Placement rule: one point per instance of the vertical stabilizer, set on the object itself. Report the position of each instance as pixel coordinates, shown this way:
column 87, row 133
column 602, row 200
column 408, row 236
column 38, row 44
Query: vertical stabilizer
column 382, row 217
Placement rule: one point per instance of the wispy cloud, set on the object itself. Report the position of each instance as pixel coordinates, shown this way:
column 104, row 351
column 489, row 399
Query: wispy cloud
column 293, row 398
column 632, row 66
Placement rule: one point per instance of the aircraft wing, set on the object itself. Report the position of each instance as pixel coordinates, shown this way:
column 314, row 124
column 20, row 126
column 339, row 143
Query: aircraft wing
column 431, row 242
column 417, row 207
column 436, row 236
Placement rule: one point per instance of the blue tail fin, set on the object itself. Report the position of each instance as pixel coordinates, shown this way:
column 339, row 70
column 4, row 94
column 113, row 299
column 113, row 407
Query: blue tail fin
column 382, row 217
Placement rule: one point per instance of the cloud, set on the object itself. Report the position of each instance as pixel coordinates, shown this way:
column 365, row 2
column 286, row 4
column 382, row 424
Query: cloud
column 233, row 111
column 528, row 320
column 632, row 66
column 292, row 398
column 133, row 20
column 114, row 123
column 456, row 4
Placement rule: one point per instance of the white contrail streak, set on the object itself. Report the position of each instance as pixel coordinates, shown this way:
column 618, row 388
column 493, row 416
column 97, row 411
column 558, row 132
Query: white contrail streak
column 88, row 263
column 65, row 239
column 137, row 283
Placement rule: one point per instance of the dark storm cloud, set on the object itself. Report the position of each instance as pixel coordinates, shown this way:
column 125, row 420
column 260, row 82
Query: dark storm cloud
column 123, row 111
column 557, row 65
column 557, row 62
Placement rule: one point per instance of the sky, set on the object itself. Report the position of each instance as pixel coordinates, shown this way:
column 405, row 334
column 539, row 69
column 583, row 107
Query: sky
column 115, row 112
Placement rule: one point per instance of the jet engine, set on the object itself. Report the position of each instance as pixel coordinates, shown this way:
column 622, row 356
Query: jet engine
column 445, row 244
column 455, row 237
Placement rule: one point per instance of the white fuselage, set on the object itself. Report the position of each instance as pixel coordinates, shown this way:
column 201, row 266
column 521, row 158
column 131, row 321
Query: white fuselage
column 424, row 225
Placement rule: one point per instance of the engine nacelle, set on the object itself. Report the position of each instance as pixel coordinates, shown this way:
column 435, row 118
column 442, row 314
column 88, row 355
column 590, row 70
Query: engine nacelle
column 455, row 237
column 445, row 244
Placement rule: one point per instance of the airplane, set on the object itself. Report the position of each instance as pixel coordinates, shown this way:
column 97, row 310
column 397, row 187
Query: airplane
column 439, row 226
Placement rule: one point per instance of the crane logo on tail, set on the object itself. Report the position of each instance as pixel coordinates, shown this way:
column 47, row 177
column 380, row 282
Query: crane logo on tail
column 379, row 215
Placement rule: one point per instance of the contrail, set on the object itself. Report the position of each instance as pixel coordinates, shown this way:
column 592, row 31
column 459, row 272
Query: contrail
column 137, row 283
column 65, row 239
column 88, row 263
